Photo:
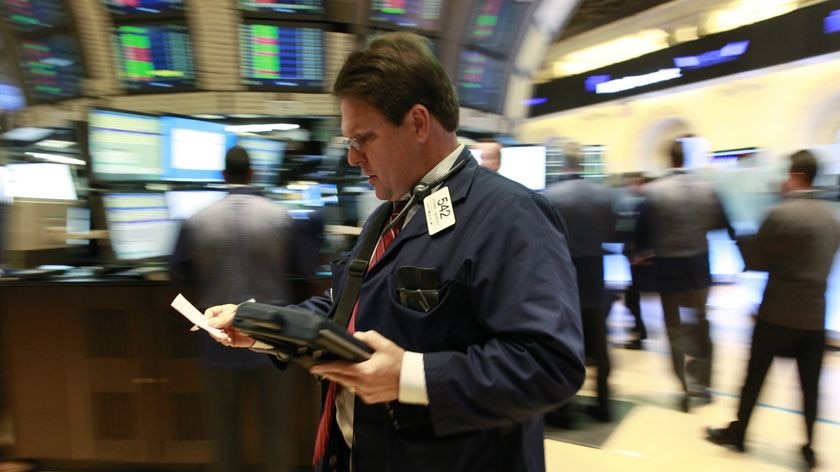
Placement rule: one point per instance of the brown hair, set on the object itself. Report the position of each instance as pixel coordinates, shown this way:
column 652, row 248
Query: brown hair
column 395, row 72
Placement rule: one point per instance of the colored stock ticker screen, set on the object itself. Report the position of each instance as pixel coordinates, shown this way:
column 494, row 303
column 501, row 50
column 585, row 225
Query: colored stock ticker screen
column 282, row 57
column 495, row 24
column 293, row 7
column 51, row 67
column 33, row 15
column 144, row 7
column 418, row 14
column 480, row 81
column 155, row 57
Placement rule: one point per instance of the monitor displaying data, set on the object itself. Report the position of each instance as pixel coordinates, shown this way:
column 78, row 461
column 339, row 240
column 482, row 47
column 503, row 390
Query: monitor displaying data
column 124, row 146
column 283, row 7
column 45, row 181
column 51, row 66
column 280, row 56
column 481, row 81
column 266, row 158
column 193, row 150
column 524, row 164
column 183, row 204
column 154, row 57
column 494, row 24
column 33, row 15
column 130, row 8
column 139, row 226
column 413, row 14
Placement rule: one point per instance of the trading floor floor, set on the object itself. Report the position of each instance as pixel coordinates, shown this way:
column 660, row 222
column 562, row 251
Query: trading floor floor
column 655, row 435
column 651, row 434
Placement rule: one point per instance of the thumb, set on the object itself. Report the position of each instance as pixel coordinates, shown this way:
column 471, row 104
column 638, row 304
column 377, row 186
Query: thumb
column 373, row 339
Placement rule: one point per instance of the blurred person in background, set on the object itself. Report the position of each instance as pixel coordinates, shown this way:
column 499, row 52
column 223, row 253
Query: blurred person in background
column 587, row 210
column 243, row 246
column 796, row 245
column 491, row 153
column 486, row 336
column 677, row 213
column 627, row 204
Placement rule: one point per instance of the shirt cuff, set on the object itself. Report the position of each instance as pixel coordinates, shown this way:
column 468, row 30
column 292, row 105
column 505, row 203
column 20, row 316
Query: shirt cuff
column 413, row 380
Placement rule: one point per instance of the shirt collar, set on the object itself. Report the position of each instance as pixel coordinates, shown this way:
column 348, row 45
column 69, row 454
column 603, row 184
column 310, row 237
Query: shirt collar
column 441, row 168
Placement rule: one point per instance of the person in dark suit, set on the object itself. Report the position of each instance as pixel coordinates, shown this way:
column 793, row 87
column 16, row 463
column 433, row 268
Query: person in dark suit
column 677, row 213
column 461, row 383
column 587, row 210
column 796, row 245
column 243, row 246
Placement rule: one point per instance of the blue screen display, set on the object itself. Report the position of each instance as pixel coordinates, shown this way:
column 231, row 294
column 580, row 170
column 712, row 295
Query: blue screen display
column 194, row 150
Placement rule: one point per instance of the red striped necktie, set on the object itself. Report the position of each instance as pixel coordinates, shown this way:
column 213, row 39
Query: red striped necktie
column 328, row 411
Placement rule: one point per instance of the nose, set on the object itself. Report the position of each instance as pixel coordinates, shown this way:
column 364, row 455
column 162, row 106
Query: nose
column 355, row 157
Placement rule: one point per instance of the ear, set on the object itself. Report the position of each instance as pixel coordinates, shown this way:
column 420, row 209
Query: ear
column 420, row 121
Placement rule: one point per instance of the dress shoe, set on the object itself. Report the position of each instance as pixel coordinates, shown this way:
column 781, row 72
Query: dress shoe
column 724, row 437
column 809, row 456
column 601, row 414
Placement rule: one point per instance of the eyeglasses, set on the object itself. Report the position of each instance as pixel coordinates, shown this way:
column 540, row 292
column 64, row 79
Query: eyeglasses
column 358, row 142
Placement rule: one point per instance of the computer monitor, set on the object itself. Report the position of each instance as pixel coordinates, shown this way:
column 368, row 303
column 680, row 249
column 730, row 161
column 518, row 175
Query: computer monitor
column 183, row 204
column 282, row 56
column 139, row 225
column 44, row 181
column 421, row 15
column 124, row 146
column 143, row 8
column 52, row 67
column 524, row 164
column 266, row 158
column 154, row 57
column 34, row 15
column 481, row 81
column 495, row 24
column 283, row 8
column 193, row 150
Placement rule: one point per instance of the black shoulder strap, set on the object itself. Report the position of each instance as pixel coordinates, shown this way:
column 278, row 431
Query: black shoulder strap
column 357, row 267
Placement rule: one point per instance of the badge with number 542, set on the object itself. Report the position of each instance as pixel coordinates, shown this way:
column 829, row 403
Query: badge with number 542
column 440, row 213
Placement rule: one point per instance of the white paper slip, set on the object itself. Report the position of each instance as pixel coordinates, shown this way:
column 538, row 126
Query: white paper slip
column 196, row 317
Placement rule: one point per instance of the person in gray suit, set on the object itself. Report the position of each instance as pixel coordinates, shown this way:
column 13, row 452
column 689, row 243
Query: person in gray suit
column 241, row 247
column 796, row 245
column 674, row 218
column 587, row 209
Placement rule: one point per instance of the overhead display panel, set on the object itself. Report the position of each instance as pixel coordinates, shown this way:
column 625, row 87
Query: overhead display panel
column 51, row 67
column 481, row 81
column 130, row 8
column 421, row 15
column 285, row 8
column 494, row 24
column 154, row 57
column 280, row 56
column 34, row 15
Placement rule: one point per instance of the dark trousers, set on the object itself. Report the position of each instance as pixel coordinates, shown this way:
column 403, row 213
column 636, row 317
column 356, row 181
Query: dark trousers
column 278, row 437
column 595, row 345
column 633, row 302
column 688, row 334
column 769, row 341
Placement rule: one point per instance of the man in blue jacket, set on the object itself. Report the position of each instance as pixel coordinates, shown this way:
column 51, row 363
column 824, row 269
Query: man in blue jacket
column 460, row 378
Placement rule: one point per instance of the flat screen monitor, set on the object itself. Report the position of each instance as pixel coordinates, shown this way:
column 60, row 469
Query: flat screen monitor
column 193, row 150
column 481, row 81
column 266, row 158
column 154, row 57
column 51, row 66
column 421, row 15
column 183, row 204
column 130, row 8
column 45, row 181
column 524, row 164
column 139, row 226
column 286, row 8
column 282, row 57
column 124, row 146
column 34, row 15
column 494, row 24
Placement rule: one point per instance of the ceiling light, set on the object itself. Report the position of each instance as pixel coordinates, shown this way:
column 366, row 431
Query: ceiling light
column 55, row 144
column 262, row 127
column 209, row 116
column 58, row 158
